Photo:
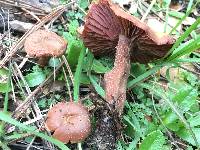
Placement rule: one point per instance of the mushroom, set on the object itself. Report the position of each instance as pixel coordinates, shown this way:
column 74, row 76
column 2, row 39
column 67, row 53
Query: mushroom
column 69, row 121
column 109, row 29
column 44, row 44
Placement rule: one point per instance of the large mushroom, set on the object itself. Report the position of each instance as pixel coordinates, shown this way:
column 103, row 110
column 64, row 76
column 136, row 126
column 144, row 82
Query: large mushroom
column 44, row 44
column 108, row 30
column 69, row 121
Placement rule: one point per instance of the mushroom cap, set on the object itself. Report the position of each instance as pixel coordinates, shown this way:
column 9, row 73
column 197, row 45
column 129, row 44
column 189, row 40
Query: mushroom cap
column 42, row 43
column 105, row 21
column 69, row 121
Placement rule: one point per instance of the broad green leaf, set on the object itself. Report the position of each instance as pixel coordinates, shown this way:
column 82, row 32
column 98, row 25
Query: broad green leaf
column 28, row 139
column 83, row 3
column 185, row 98
column 4, row 75
column 84, row 79
column 68, row 37
column 3, row 72
column 72, row 27
column 137, row 69
column 3, row 88
column 88, row 62
column 171, row 121
column 30, row 129
column 42, row 103
column 194, row 121
column 98, row 67
column 154, row 141
column 73, row 51
column 186, row 135
column 35, row 78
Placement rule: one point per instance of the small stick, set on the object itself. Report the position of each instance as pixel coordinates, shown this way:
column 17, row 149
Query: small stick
column 21, row 5
column 68, row 86
column 32, row 14
column 187, row 69
column 68, row 69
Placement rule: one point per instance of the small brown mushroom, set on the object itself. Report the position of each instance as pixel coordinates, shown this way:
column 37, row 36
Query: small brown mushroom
column 69, row 121
column 107, row 30
column 44, row 44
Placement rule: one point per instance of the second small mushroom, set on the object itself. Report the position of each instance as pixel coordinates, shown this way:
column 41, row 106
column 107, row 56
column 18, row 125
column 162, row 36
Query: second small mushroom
column 69, row 121
column 44, row 44
column 108, row 30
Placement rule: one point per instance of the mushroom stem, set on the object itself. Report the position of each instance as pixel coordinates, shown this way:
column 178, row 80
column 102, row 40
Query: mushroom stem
column 116, row 79
column 43, row 61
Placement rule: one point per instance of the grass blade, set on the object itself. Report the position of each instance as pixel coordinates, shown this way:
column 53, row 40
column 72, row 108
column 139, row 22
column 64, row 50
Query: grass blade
column 187, row 60
column 143, row 76
column 192, row 46
column 185, row 35
column 5, row 105
column 78, row 74
column 183, row 18
column 97, row 87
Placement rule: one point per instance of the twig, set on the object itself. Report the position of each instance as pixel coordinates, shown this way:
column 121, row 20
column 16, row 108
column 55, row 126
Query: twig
column 22, row 5
column 32, row 14
column 194, row 72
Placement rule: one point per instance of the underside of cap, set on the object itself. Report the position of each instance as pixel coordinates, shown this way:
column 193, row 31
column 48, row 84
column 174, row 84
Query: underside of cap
column 42, row 43
column 106, row 21
column 101, row 29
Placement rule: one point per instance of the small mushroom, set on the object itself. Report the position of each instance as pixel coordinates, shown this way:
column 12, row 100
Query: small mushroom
column 69, row 121
column 109, row 29
column 44, row 44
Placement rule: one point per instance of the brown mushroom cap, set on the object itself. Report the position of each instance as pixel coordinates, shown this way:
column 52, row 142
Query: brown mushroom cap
column 106, row 21
column 42, row 43
column 69, row 121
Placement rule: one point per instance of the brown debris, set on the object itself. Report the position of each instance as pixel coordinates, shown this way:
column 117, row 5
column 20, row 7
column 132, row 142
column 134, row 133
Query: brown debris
column 69, row 121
